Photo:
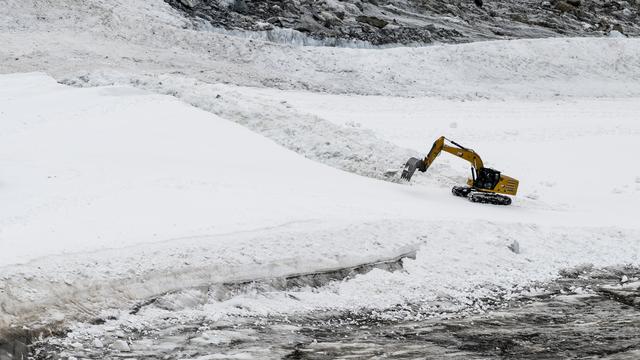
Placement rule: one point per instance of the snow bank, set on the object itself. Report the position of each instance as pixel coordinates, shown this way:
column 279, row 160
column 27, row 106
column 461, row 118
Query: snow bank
column 72, row 40
column 347, row 148
column 289, row 37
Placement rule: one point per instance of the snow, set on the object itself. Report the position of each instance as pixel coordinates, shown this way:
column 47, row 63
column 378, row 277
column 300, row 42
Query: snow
column 568, row 149
column 289, row 37
column 104, row 37
column 165, row 169
column 117, row 188
column 112, row 167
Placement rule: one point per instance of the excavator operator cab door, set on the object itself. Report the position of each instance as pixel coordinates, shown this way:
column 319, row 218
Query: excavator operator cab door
column 486, row 178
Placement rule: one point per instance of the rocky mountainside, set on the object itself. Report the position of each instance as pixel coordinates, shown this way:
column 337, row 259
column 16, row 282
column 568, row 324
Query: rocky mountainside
column 410, row 22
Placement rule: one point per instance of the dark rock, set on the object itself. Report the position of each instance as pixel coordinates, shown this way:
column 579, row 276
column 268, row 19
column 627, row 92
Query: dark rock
column 361, row 20
column 618, row 28
column 515, row 247
column 565, row 6
column 310, row 24
column 189, row 3
column 240, row 6
column 329, row 20
column 373, row 21
column 520, row 18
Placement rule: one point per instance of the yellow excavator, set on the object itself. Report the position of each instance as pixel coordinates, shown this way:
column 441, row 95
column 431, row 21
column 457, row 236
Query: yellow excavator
column 485, row 185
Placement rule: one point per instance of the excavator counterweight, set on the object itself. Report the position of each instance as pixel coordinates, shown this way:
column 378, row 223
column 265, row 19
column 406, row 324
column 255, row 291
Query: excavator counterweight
column 486, row 185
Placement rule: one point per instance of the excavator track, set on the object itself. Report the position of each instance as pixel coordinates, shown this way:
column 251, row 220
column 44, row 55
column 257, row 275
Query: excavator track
column 479, row 196
column 489, row 198
column 461, row 191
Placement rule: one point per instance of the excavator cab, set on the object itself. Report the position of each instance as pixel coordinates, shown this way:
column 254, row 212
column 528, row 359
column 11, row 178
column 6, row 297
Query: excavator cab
column 485, row 178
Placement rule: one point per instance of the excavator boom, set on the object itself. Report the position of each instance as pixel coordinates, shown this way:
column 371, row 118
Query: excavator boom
column 485, row 185
column 438, row 146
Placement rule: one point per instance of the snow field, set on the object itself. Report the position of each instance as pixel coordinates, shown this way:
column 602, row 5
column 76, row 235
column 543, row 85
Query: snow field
column 93, row 171
column 111, row 167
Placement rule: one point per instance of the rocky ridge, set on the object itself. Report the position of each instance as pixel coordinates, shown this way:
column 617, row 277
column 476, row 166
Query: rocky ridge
column 417, row 22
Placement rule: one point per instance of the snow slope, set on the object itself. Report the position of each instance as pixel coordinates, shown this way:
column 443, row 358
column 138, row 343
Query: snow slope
column 115, row 195
column 111, row 167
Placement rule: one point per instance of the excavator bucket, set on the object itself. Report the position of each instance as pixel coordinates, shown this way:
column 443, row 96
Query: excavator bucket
column 410, row 168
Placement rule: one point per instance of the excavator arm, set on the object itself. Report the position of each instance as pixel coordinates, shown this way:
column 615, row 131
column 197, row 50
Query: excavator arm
column 439, row 146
